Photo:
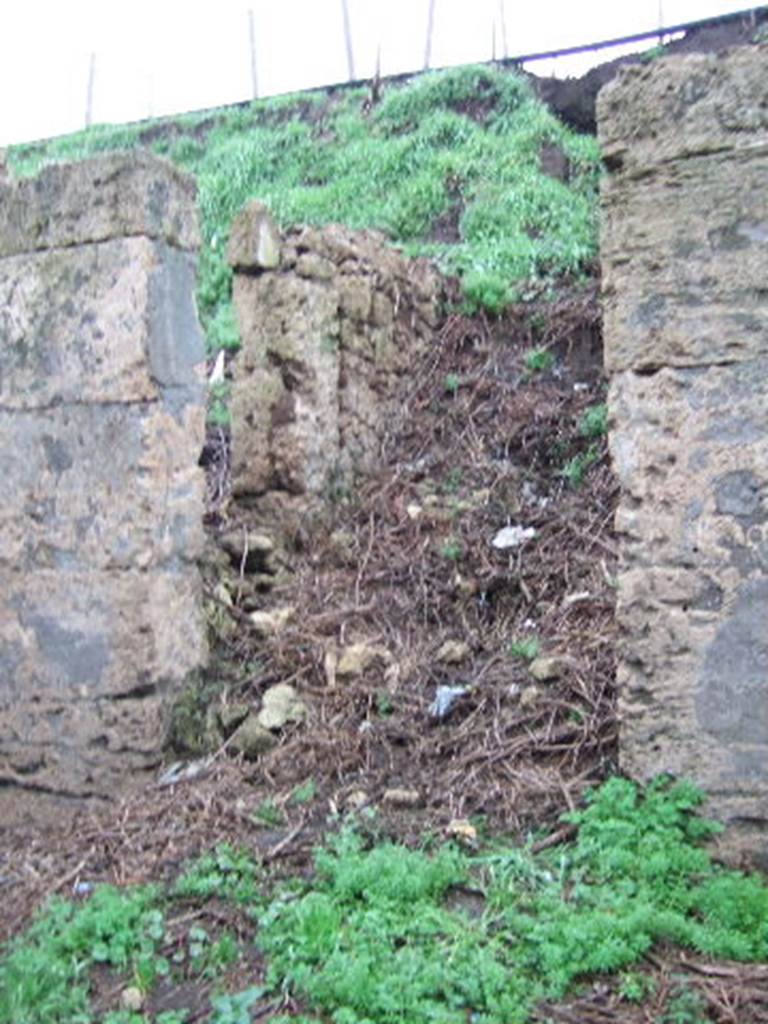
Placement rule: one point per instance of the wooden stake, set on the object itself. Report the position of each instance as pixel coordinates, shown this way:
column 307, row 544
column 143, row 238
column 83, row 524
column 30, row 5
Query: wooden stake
column 348, row 40
column 430, row 28
column 503, row 21
column 89, row 92
column 252, row 38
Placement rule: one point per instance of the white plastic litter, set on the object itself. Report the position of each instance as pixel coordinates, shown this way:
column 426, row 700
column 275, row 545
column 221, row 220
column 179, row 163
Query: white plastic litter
column 513, row 537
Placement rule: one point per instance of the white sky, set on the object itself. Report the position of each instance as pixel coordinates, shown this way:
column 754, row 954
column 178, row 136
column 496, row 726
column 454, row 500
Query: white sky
column 156, row 57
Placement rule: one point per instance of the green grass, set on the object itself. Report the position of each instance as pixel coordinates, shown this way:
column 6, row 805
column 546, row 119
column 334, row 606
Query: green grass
column 384, row 934
column 418, row 156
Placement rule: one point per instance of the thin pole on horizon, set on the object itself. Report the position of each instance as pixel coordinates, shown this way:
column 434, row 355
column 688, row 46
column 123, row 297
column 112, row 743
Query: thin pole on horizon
column 503, row 21
column 430, row 29
column 252, row 40
column 348, row 40
column 89, row 91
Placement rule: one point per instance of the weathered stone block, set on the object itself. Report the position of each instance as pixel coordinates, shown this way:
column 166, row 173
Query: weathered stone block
column 101, row 497
column 125, row 517
column 254, row 241
column 113, row 196
column 110, row 322
column 685, row 258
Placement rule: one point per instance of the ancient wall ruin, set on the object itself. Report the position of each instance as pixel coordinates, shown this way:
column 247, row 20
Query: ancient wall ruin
column 331, row 320
column 101, row 498
column 685, row 285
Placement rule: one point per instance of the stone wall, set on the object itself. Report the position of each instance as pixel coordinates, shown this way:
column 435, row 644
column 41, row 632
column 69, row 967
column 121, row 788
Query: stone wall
column 331, row 321
column 101, row 498
column 685, row 284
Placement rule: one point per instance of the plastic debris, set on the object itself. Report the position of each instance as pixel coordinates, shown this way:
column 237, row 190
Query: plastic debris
column 445, row 699
column 513, row 537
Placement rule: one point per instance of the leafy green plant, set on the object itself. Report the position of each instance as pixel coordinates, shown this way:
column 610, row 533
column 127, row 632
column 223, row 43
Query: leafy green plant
column 236, row 1008
column 685, row 1006
column 453, row 479
column 576, row 468
column 451, row 384
column 224, row 873
column 218, row 404
column 384, row 705
column 635, row 987
column 594, row 421
column 526, row 648
column 452, row 549
column 268, row 813
column 304, row 793
column 375, row 936
column 44, row 973
column 538, row 360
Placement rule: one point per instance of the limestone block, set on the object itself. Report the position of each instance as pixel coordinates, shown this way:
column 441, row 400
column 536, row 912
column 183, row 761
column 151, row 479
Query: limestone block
column 687, row 449
column 102, row 409
column 254, row 241
column 680, row 288
column 97, row 634
column 680, row 107
column 286, row 384
column 110, row 196
column 101, row 486
column 77, row 325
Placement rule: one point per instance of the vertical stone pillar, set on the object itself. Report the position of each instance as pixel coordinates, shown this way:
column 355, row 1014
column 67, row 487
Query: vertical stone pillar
column 101, row 498
column 685, row 286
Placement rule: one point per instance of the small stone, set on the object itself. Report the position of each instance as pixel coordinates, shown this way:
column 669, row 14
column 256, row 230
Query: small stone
column 462, row 830
column 254, row 241
column 281, row 706
column 270, row 623
column 310, row 265
column 356, row 659
column 231, row 715
column 357, row 799
column 546, row 669
column 252, row 739
column 529, row 696
column 414, row 511
column 401, row 797
column 132, row 999
column 452, row 652
column 577, row 598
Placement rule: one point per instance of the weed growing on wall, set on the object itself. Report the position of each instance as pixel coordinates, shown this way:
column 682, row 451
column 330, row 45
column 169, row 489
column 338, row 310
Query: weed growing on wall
column 447, row 166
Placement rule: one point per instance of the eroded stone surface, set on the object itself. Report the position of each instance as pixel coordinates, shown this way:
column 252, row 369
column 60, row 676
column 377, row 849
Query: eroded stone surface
column 114, row 196
column 685, row 259
column 101, row 497
column 327, row 338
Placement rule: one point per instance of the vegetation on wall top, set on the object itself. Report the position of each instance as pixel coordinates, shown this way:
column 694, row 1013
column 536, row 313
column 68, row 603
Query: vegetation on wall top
column 451, row 165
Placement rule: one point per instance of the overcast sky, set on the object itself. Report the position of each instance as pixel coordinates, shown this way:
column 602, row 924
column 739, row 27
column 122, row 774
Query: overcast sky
column 154, row 57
